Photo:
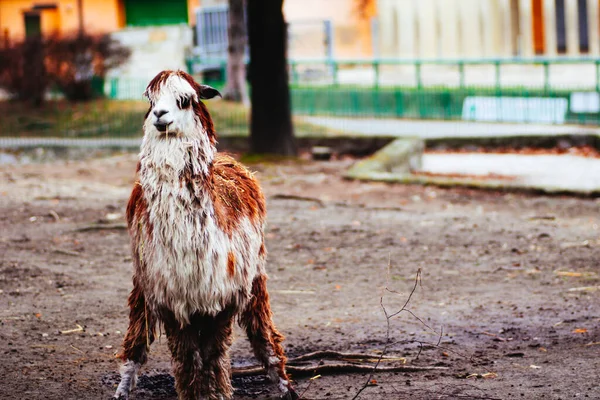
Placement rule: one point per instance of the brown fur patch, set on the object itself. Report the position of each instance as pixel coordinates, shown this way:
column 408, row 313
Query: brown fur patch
column 141, row 331
column 262, row 251
column 137, row 209
column 231, row 264
column 235, row 194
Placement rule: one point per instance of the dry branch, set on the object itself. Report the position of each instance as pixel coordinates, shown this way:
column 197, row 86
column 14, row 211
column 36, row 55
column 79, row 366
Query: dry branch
column 66, row 252
column 388, row 317
column 329, row 354
column 337, row 368
column 320, row 202
column 100, row 227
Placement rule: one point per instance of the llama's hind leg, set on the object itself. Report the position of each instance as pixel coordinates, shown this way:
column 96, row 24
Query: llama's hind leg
column 136, row 344
column 264, row 336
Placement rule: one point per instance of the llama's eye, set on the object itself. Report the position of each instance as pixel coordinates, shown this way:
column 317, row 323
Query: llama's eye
column 184, row 102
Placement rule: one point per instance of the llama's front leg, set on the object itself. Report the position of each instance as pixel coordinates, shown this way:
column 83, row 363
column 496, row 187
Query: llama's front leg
column 187, row 361
column 136, row 344
column 216, row 336
column 265, row 338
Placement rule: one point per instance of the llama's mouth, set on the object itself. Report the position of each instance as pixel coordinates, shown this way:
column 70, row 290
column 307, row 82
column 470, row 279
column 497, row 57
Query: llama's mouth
column 162, row 128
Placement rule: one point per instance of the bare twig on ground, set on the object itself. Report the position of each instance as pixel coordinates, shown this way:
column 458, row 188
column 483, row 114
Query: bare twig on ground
column 54, row 215
column 66, row 252
column 100, row 227
column 388, row 317
column 78, row 329
column 337, row 368
column 310, row 382
column 329, row 354
column 282, row 196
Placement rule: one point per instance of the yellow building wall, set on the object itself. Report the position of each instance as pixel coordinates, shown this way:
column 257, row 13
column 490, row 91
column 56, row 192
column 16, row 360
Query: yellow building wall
column 98, row 16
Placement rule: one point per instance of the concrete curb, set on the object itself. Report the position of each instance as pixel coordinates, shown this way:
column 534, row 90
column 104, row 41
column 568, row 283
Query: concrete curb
column 487, row 184
column 394, row 164
column 399, row 157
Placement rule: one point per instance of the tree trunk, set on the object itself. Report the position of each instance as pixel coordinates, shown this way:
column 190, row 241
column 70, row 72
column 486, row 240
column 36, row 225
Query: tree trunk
column 236, row 88
column 271, row 130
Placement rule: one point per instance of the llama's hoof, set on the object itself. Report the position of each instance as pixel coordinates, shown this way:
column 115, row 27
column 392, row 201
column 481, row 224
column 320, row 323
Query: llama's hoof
column 290, row 395
column 120, row 394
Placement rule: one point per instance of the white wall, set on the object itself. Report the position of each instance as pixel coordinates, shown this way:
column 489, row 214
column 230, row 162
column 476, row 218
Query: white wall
column 153, row 49
column 476, row 28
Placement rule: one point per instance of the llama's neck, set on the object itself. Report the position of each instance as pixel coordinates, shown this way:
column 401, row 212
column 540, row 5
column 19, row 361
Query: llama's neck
column 165, row 160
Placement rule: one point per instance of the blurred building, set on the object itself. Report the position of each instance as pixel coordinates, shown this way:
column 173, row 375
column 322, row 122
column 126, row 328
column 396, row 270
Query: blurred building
column 488, row 28
column 157, row 31
column 348, row 28
column 19, row 18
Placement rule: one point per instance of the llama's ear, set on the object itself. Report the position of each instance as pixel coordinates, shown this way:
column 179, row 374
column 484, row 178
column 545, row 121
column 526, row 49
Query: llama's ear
column 206, row 92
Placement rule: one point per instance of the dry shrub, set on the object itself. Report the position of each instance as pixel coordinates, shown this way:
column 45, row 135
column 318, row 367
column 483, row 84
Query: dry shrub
column 68, row 63
column 22, row 71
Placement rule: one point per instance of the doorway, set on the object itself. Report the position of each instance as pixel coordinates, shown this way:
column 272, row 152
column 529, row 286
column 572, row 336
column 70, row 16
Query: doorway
column 33, row 24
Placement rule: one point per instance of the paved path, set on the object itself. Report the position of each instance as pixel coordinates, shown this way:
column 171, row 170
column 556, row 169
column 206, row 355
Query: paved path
column 547, row 172
column 443, row 129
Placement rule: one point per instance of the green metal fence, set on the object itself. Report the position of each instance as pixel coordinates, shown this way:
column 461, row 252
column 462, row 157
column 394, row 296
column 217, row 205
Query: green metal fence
column 540, row 90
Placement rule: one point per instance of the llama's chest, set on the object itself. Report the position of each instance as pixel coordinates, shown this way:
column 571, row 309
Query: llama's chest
column 191, row 265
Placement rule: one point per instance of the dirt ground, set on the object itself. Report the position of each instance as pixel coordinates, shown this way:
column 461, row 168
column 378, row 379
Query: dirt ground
column 509, row 300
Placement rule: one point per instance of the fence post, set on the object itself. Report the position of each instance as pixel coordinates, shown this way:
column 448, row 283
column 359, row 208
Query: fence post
column 461, row 74
column 597, row 62
column 498, row 76
column 546, row 77
column 376, row 70
column 418, row 74
column 333, row 66
column 294, row 72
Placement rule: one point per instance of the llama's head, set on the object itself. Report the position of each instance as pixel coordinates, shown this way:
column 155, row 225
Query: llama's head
column 176, row 109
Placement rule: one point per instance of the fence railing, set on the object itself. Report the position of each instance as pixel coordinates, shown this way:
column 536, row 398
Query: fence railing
column 500, row 72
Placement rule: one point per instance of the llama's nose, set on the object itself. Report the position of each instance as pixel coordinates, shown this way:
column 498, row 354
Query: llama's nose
column 159, row 113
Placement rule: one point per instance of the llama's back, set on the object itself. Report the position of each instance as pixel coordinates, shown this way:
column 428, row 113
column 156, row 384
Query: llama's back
column 236, row 194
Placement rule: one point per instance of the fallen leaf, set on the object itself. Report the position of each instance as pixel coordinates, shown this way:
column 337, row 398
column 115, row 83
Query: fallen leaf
column 585, row 289
column 38, row 315
column 338, row 287
column 568, row 273
column 580, row 330
column 489, row 375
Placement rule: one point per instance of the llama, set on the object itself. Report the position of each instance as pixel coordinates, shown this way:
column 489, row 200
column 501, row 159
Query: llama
column 196, row 221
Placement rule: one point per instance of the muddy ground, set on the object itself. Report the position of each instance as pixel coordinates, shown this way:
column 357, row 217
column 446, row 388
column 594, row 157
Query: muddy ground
column 509, row 291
